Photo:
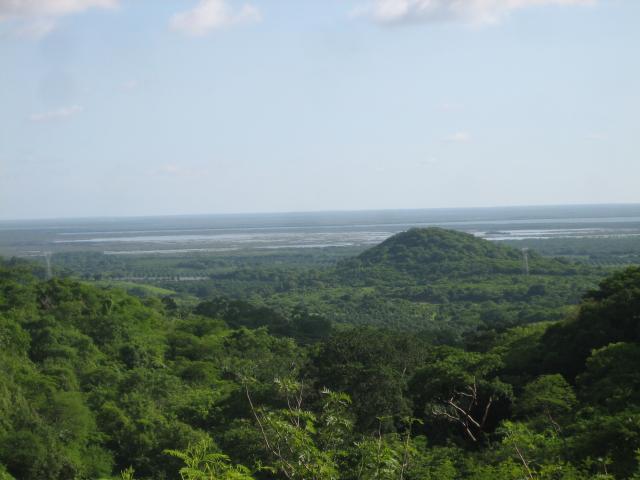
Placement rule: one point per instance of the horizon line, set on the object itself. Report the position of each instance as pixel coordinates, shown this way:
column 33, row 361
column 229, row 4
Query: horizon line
column 312, row 212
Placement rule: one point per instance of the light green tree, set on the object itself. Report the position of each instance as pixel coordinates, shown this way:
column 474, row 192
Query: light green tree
column 203, row 463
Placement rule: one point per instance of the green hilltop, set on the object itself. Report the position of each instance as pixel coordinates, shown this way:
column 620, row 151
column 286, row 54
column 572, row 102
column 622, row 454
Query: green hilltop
column 424, row 254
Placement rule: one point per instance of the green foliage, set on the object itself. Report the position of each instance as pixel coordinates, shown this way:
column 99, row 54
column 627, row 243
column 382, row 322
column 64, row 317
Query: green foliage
column 4, row 475
column 290, row 435
column 127, row 474
column 433, row 252
column 302, row 325
column 607, row 315
column 461, row 388
column 443, row 283
column 95, row 383
column 609, row 251
column 203, row 463
column 549, row 399
column 612, row 376
column 378, row 459
column 373, row 368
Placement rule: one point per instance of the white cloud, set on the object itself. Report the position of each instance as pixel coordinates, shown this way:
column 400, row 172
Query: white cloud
column 35, row 28
column 458, row 137
column 59, row 114
column 469, row 11
column 211, row 15
column 50, row 8
column 37, row 18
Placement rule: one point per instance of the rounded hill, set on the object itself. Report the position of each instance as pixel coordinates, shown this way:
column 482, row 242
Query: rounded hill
column 435, row 245
column 423, row 253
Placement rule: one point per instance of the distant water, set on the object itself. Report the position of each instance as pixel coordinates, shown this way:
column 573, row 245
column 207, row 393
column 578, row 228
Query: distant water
column 220, row 233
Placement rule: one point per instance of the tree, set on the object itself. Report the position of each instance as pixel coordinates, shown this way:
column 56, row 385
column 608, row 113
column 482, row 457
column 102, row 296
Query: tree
column 612, row 377
column 607, row 315
column 291, row 436
column 461, row 388
column 202, row 462
column 373, row 368
column 547, row 400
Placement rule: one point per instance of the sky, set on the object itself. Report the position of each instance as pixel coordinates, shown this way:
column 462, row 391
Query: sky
column 165, row 107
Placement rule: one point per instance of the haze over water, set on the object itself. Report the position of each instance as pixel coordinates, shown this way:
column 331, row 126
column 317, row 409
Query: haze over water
column 220, row 233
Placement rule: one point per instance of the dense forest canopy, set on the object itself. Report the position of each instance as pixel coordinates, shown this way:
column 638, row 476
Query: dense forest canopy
column 442, row 283
column 96, row 383
column 439, row 283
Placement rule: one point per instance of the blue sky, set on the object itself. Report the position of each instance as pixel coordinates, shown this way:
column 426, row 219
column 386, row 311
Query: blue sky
column 148, row 107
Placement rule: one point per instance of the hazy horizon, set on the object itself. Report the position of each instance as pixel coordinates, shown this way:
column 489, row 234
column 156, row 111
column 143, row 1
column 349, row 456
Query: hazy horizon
column 486, row 208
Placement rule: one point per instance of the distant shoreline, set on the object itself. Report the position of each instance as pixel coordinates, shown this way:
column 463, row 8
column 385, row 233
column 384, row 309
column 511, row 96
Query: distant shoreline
column 604, row 208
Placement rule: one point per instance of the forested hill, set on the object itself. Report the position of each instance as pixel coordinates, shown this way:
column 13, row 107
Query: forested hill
column 419, row 255
column 442, row 282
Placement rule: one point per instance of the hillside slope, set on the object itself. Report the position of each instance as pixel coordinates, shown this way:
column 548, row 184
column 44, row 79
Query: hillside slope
column 433, row 253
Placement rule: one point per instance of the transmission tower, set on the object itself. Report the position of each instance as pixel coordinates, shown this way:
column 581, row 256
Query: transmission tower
column 525, row 261
column 47, row 259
